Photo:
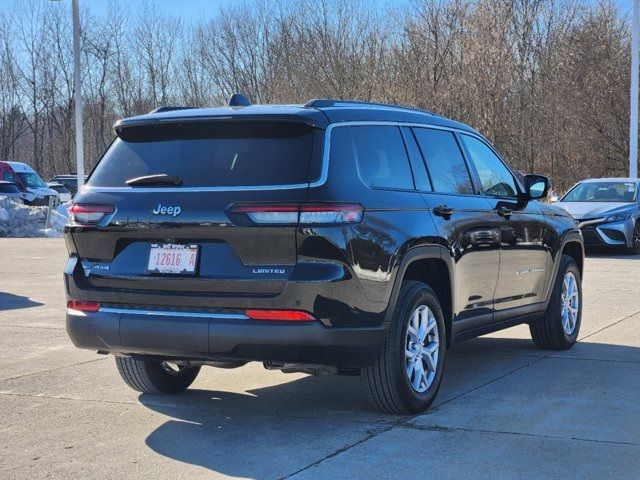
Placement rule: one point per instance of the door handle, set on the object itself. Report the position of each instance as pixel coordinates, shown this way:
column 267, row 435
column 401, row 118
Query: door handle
column 504, row 212
column 443, row 211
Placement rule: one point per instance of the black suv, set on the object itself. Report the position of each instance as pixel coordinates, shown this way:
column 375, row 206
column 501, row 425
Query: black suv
column 331, row 237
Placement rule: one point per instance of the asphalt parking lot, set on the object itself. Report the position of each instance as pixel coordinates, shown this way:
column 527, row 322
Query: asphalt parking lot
column 506, row 410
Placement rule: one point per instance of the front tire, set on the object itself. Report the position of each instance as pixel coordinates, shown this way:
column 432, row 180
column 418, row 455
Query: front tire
column 155, row 377
column 634, row 249
column 559, row 327
column 406, row 376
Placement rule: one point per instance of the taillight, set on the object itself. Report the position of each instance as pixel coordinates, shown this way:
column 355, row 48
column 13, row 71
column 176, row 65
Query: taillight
column 330, row 213
column 88, row 214
column 280, row 315
column 270, row 214
column 83, row 306
column 303, row 214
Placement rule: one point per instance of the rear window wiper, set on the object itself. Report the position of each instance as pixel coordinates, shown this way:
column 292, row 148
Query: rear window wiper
column 156, row 180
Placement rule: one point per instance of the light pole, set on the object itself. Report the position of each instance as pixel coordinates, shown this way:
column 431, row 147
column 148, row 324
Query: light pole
column 77, row 92
column 633, row 125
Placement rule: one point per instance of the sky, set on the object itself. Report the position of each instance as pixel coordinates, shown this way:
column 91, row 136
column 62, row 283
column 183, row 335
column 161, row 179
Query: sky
column 208, row 8
column 185, row 8
column 197, row 9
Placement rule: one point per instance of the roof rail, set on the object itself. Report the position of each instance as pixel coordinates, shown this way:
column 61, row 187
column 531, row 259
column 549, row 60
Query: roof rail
column 320, row 103
column 169, row 108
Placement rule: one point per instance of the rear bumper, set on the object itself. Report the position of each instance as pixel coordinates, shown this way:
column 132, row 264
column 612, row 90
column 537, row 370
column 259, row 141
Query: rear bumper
column 222, row 336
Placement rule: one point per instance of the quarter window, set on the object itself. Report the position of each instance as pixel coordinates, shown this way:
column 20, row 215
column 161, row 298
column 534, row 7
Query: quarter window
column 444, row 161
column 495, row 177
column 382, row 157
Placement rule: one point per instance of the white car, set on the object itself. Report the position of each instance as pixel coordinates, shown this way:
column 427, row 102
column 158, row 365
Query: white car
column 36, row 191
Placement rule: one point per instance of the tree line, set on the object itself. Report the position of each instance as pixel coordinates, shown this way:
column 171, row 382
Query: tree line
column 546, row 80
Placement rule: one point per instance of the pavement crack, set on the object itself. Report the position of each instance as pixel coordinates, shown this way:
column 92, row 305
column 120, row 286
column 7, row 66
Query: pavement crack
column 52, row 369
column 591, row 359
column 441, row 428
column 551, row 354
column 36, row 327
column 404, row 422
column 148, row 405
column 609, row 326
column 368, row 437
column 60, row 397
column 478, row 387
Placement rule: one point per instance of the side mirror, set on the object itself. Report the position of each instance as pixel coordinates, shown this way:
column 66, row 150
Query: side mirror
column 536, row 186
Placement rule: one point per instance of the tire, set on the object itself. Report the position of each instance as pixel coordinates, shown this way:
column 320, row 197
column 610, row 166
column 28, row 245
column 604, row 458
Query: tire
column 155, row 377
column 552, row 332
column 634, row 249
column 389, row 386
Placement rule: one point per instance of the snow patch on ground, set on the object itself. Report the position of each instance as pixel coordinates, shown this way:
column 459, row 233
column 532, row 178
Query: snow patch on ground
column 18, row 220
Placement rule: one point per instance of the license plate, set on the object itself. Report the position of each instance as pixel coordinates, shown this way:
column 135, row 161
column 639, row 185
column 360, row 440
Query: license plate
column 172, row 258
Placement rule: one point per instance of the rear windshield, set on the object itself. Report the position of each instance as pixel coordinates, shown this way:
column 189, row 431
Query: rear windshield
column 8, row 188
column 210, row 154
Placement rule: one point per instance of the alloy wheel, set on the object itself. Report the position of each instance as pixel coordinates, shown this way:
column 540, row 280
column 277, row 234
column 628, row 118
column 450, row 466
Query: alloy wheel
column 570, row 300
column 421, row 349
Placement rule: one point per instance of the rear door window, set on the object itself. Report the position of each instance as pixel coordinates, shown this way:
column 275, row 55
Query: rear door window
column 211, row 154
column 382, row 157
column 445, row 163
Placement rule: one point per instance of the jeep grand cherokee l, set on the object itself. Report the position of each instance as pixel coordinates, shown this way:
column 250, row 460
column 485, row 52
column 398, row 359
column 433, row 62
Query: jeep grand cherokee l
column 334, row 236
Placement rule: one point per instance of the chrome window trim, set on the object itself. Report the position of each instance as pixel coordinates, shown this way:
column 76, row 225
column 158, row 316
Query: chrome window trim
column 316, row 183
column 360, row 123
column 169, row 313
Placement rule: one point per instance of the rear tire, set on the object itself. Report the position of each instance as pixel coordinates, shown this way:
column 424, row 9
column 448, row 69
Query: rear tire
column 155, row 377
column 406, row 376
column 558, row 329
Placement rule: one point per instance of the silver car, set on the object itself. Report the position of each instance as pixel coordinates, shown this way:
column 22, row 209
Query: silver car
column 607, row 211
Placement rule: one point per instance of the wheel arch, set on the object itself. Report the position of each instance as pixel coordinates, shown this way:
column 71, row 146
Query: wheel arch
column 572, row 245
column 575, row 250
column 432, row 266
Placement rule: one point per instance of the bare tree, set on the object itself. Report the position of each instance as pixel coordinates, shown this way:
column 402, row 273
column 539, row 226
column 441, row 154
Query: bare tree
column 545, row 80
